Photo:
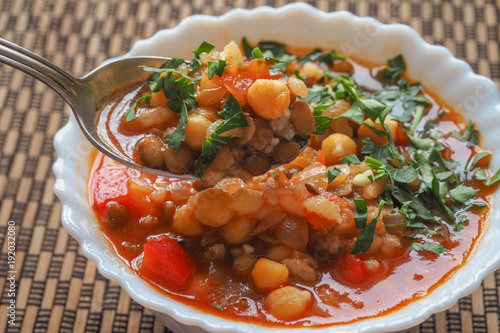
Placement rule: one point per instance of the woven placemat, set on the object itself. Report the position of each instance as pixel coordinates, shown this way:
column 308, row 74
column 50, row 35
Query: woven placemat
column 57, row 288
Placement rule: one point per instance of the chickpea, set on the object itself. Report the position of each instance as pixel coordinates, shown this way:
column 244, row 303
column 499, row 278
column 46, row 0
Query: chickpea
column 179, row 161
column 148, row 118
column 223, row 160
column 196, row 131
column 288, row 303
column 336, row 146
column 211, row 208
column 342, row 125
column 150, row 151
column 311, row 70
column 209, row 92
column 158, row 99
column 246, row 201
column 238, row 230
column 269, row 98
column 233, row 54
column 302, row 118
column 268, row 274
column 185, row 223
column 365, row 131
column 337, row 109
column 297, row 87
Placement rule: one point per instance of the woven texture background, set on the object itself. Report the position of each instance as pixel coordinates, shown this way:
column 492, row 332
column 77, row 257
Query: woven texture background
column 58, row 289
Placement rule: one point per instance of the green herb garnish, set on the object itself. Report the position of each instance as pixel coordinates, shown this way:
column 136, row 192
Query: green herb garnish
column 216, row 67
column 350, row 159
column 130, row 113
column 218, row 306
column 332, row 174
column 365, row 237
column 233, row 118
column 204, row 47
column 431, row 247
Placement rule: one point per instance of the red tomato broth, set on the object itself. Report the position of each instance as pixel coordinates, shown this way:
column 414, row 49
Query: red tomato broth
column 369, row 296
column 401, row 279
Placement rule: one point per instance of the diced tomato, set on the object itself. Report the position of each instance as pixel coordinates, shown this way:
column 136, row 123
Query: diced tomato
column 238, row 78
column 355, row 270
column 401, row 138
column 166, row 263
column 110, row 184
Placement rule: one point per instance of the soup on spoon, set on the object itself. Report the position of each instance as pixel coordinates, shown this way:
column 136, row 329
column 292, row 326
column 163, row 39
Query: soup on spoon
column 222, row 115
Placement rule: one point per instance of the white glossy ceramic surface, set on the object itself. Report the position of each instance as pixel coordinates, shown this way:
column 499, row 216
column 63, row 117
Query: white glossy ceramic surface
column 299, row 25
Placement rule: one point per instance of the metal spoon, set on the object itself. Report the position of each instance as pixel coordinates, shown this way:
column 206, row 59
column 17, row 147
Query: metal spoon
column 85, row 94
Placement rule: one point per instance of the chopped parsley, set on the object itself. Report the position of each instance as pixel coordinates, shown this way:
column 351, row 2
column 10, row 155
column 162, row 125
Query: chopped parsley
column 216, row 67
column 365, row 237
column 431, row 247
column 218, row 306
column 233, row 118
column 130, row 113
column 332, row 174
column 205, row 47
column 393, row 72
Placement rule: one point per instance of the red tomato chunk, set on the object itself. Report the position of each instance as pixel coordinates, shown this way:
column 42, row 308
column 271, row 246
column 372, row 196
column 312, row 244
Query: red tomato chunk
column 167, row 263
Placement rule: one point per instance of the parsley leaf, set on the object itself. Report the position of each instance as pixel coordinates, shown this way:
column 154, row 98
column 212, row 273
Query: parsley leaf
column 481, row 175
column 312, row 56
column 216, row 67
column 462, row 193
column 361, row 215
column 474, row 160
column 332, row 174
column 396, row 68
column 204, row 47
column 431, row 247
column 350, row 159
column 171, row 64
column 218, row 306
column 322, row 124
column 233, row 118
column 381, row 153
column 130, row 113
column 354, row 113
column 403, row 194
column 276, row 49
column 319, row 94
column 365, row 237
column 403, row 175
column 179, row 134
column 371, row 107
column 247, row 48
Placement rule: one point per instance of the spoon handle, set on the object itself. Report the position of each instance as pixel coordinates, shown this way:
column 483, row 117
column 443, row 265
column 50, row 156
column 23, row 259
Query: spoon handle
column 40, row 68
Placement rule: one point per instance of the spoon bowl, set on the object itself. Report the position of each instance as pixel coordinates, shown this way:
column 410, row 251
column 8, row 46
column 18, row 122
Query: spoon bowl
column 85, row 94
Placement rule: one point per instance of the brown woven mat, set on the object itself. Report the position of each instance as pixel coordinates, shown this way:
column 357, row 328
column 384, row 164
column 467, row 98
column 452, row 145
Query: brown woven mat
column 58, row 289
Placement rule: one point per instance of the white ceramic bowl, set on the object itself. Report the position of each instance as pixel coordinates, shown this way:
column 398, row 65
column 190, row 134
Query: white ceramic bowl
column 299, row 25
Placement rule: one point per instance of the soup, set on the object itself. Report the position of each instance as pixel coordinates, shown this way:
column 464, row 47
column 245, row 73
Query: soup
column 387, row 201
